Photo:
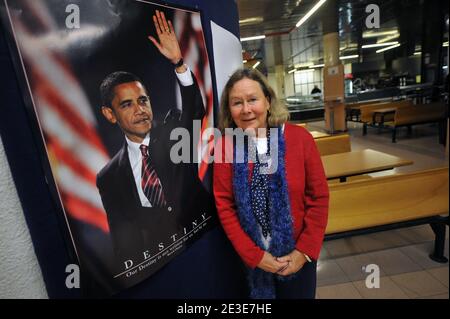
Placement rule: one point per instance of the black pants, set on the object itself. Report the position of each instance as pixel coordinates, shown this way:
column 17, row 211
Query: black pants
column 303, row 286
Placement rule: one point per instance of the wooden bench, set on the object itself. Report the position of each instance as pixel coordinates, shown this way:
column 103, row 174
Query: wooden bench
column 414, row 115
column 390, row 202
column 367, row 112
column 353, row 110
column 333, row 144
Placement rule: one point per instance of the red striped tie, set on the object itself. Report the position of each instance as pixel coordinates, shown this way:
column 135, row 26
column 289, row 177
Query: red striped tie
column 151, row 184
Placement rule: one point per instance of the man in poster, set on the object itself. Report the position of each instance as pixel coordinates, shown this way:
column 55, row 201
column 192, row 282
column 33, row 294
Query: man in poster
column 149, row 200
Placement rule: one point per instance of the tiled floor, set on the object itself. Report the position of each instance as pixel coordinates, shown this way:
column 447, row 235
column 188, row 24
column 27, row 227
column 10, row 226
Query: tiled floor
column 405, row 269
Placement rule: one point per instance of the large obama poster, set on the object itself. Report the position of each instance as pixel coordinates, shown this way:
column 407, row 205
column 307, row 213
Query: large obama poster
column 109, row 83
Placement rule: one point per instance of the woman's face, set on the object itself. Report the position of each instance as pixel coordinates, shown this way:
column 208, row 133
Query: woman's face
column 248, row 105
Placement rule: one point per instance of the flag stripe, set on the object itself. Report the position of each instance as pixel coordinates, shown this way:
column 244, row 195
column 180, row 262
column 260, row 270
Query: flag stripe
column 79, row 209
column 56, row 127
column 66, row 157
column 58, row 104
column 70, row 182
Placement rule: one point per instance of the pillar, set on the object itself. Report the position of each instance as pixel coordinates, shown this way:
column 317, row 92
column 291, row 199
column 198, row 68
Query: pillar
column 276, row 74
column 333, row 72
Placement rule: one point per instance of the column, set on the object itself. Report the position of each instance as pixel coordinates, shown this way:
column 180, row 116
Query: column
column 333, row 72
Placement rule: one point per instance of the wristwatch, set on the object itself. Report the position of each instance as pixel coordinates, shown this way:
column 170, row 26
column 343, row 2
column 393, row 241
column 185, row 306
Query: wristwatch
column 179, row 63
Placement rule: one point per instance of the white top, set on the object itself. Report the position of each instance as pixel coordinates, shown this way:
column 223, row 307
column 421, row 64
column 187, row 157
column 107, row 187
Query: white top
column 134, row 151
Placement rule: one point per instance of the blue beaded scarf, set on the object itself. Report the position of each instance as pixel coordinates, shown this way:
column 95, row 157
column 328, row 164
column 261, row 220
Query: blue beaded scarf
column 262, row 284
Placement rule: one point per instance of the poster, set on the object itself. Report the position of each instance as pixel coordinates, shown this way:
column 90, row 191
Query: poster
column 94, row 80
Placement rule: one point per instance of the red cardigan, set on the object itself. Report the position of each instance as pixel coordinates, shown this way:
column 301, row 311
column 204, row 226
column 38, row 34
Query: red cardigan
column 308, row 196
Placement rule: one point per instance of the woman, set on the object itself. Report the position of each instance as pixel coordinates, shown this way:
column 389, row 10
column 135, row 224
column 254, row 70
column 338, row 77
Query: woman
column 275, row 219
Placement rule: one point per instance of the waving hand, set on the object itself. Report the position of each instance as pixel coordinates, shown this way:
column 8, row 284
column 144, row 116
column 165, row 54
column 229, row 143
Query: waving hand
column 168, row 43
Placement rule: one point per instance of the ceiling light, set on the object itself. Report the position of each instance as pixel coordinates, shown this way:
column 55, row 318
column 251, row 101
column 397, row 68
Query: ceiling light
column 310, row 13
column 388, row 48
column 292, row 71
column 244, row 61
column 253, row 20
column 389, row 38
column 376, row 45
column 445, row 44
column 257, row 37
column 373, row 34
column 256, row 64
column 417, row 53
column 346, row 57
column 316, row 66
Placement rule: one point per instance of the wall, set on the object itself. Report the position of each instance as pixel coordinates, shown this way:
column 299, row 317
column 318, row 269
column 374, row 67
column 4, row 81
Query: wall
column 20, row 274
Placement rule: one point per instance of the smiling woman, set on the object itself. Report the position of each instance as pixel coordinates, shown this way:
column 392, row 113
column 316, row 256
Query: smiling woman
column 248, row 100
column 275, row 223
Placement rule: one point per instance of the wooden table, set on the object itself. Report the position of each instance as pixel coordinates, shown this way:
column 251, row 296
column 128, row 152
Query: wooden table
column 354, row 163
column 317, row 134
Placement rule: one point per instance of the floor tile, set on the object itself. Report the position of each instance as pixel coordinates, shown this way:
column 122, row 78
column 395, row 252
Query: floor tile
column 329, row 273
column 341, row 291
column 420, row 254
column 342, row 247
column 355, row 267
column 392, row 261
column 440, row 274
column 416, row 234
column 419, row 284
column 387, row 290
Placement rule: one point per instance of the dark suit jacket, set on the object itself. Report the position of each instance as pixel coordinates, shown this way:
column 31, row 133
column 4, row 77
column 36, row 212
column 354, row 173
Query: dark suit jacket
column 135, row 228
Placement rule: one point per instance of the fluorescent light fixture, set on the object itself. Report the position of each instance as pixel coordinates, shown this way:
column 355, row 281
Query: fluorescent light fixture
column 310, row 13
column 292, row 71
column 244, row 61
column 388, row 48
column 445, row 67
column 372, row 34
column 256, row 64
column 346, row 57
column 445, row 44
column 377, row 45
column 316, row 66
column 389, row 38
column 253, row 20
column 256, row 37
column 417, row 53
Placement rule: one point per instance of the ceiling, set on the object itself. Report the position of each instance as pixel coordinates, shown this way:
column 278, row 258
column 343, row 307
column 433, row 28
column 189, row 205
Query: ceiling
column 277, row 17
column 270, row 16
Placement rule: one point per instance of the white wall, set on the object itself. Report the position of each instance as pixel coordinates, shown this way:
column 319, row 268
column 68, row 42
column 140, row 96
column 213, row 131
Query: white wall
column 20, row 274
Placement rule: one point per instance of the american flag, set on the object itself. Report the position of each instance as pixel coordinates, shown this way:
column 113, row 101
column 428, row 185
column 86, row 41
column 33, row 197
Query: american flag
column 68, row 124
column 188, row 28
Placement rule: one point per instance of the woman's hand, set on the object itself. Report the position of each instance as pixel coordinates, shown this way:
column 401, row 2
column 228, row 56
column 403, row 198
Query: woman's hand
column 295, row 261
column 168, row 43
column 270, row 264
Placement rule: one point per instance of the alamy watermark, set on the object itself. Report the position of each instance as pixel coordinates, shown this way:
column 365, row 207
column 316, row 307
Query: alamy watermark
column 373, row 277
column 373, row 19
column 73, row 277
column 229, row 148
column 73, row 17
